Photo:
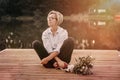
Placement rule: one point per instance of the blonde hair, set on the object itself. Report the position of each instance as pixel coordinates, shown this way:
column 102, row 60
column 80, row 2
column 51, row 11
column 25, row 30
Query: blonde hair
column 58, row 14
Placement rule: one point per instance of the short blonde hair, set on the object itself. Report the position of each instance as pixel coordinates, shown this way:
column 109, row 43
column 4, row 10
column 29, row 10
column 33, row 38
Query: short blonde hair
column 58, row 14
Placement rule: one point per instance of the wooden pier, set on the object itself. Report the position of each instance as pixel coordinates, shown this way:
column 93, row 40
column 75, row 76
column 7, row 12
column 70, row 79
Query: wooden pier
column 24, row 64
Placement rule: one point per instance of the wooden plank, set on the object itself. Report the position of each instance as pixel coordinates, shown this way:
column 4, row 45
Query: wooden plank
column 24, row 64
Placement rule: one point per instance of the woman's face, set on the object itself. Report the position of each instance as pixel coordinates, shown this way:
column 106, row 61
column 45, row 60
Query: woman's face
column 52, row 20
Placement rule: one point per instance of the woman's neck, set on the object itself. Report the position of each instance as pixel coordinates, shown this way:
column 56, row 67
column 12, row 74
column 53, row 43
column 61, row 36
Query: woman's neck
column 53, row 30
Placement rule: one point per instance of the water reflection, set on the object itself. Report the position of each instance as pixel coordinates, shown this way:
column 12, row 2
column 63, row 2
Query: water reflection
column 95, row 30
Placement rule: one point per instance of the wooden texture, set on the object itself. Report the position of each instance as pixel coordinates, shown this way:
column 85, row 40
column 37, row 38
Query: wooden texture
column 24, row 64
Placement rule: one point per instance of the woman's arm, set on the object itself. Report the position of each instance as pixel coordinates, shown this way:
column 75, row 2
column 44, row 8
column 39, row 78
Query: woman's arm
column 48, row 58
column 63, row 36
column 46, row 42
column 61, row 63
column 51, row 56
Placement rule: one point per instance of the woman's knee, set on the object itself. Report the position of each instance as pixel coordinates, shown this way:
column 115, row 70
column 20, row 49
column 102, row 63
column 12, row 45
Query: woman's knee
column 70, row 40
column 36, row 43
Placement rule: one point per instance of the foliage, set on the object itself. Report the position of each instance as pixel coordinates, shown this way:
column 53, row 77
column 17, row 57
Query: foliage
column 83, row 65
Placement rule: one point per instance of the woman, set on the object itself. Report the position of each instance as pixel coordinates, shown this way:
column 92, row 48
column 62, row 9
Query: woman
column 57, row 48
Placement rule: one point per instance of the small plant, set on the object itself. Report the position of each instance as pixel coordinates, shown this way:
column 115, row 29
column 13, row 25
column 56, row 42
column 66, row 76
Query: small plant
column 83, row 65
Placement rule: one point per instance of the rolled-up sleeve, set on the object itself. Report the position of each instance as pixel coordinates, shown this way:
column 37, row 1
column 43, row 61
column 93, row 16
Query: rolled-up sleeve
column 46, row 43
column 63, row 36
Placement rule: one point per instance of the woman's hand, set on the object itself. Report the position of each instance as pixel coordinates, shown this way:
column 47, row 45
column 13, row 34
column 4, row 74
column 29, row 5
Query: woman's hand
column 44, row 61
column 62, row 64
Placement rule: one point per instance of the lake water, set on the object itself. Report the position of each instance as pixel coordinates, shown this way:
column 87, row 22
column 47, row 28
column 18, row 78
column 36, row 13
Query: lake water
column 89, row 32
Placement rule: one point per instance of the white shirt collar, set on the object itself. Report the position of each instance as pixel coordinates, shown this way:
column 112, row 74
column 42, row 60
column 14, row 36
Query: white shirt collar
column 58, row 30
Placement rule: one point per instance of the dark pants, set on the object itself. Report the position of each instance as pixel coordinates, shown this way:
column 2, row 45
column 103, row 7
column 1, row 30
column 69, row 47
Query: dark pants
column 2, row 44
column 65, row 51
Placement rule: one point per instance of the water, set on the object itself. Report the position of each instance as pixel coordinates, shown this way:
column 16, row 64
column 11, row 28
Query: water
column 89, row 31
column 18, row 34
column 94, row 31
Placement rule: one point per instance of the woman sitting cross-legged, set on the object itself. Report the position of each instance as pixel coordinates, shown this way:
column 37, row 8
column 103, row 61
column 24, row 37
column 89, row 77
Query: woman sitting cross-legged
column 56, row 47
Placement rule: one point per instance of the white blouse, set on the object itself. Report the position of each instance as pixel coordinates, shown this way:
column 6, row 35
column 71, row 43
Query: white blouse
column 54, row 43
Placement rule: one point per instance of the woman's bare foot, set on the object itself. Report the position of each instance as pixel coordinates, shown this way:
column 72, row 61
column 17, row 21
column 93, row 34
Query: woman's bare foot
column 56, row 65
